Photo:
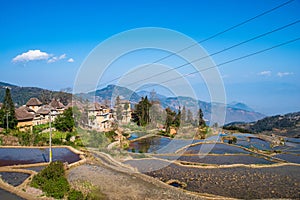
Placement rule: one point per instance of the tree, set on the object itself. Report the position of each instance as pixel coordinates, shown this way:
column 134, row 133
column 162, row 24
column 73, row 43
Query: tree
column 189, row 116
column 183, row 115
column 142, row 112
column 201, row 120
column 119, row 109
column 7, row 113
column 172, row 119
column 126, row 106
column 65, row 121
column 169, row 119
column 177, row 118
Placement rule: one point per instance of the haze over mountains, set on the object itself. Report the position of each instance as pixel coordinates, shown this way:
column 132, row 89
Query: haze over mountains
column 234, row 112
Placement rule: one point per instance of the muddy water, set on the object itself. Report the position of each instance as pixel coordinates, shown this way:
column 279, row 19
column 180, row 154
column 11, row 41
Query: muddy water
column 14, row 178
column 8, row 196
column 15, row 156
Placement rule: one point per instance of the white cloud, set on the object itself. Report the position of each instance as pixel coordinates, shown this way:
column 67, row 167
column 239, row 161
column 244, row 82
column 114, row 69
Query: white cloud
column 281, row 74
column 63, row 56
column 54, row 58
column 70, row 60
column 265, row 73
column 31, row 55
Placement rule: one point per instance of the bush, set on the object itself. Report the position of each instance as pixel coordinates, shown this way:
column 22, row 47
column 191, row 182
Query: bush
column 52, row 180
column 75, row 195
column 56, row 188
column 110, row 135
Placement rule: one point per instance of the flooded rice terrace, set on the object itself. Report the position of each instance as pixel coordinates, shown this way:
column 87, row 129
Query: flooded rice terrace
column 16, row 156
column 249, row 168
column 246, row 144
column 20, row 156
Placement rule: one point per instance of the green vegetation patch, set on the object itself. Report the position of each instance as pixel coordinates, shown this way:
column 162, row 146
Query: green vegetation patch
column 53, row 182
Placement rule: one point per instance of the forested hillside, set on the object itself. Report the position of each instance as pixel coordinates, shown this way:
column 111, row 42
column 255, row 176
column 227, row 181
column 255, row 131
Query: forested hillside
column 21, row 95
column 285, row 125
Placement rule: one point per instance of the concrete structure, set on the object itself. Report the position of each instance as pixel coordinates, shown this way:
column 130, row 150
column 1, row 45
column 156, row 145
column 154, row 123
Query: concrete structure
column 99, row 117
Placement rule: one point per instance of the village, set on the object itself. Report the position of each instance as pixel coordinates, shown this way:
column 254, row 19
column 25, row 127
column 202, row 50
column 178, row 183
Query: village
column 100, row 117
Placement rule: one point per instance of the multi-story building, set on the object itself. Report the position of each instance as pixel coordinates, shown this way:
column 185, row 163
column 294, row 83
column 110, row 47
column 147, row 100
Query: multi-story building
column 99, row 117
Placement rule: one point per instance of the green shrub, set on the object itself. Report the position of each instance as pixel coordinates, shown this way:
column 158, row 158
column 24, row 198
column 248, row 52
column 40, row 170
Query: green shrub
column 75, row 195
column 52, row 180
column 56, row 188
column 110, row 135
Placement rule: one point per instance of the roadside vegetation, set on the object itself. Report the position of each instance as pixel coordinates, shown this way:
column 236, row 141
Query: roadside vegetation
column 53, row 182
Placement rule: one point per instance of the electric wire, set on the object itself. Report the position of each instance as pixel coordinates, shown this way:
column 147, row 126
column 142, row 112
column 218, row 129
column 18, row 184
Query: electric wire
column 218, row 52
column 211, row 37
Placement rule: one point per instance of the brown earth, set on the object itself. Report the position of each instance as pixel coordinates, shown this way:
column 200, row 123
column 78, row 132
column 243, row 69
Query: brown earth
column 116, row 181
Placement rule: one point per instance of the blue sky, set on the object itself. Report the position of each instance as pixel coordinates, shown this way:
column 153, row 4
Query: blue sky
column 63, row 33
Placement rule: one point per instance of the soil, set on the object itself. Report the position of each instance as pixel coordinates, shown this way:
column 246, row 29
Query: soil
column 234, row 182
column 118, row 182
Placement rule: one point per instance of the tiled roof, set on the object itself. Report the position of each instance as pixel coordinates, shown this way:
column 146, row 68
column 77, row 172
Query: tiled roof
column 45, row 110
column 56, row 104
column 33, row 102
column 23, row 114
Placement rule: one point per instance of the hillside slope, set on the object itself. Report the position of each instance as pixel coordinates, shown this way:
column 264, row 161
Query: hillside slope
column 284, row 125
column 20, row 95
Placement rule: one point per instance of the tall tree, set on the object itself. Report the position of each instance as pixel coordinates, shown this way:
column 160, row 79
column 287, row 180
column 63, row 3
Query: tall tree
column 177, row 118
column 7, row 113
column 172, row 119
column 183, row 114
column 201, row 120
column 190, row 117
column 169, row 119
column 142, row 112
column 126, row 107
column 119, row 109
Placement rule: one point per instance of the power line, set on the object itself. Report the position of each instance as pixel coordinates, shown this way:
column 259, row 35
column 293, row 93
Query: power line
column 218, row 52
column 233, row 60
column 213, row 36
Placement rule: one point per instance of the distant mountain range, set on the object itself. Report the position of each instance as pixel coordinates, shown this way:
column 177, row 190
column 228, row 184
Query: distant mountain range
column 284, row 125
column 234, row 112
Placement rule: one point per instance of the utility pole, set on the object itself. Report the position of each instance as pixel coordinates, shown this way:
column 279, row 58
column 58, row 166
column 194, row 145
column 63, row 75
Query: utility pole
column 50, row 139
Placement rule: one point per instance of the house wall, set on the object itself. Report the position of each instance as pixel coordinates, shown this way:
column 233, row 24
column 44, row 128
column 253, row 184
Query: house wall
column 25, row 125
column 35, row 108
